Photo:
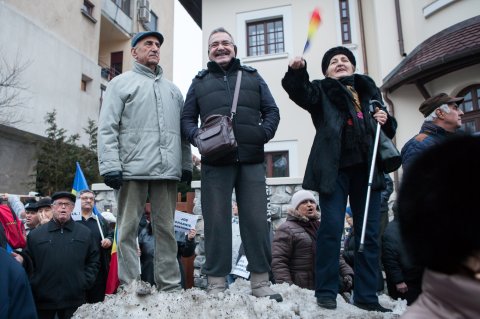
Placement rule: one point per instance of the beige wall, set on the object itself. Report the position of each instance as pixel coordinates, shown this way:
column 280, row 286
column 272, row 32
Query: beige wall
column 58, row 45
column 64, row 19
column 53, row 70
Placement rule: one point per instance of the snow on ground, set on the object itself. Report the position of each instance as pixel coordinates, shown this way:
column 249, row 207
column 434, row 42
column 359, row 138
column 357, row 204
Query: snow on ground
column 236, row 303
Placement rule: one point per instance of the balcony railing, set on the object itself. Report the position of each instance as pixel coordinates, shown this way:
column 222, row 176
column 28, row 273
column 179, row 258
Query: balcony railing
column 124, row 5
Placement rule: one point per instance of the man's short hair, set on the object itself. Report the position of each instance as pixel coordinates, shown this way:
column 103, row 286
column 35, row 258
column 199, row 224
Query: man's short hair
column 86, row 191
column 218, row 30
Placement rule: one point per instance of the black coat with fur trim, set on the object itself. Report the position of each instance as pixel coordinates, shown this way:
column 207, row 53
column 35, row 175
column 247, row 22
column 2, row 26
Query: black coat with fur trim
column 330, row 105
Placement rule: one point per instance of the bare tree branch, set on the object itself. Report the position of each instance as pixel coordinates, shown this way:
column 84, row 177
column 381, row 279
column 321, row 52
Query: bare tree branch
column 11, row 88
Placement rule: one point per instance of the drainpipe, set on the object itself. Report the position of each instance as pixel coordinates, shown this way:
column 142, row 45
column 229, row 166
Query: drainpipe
column 399, row 28
column 362, row 36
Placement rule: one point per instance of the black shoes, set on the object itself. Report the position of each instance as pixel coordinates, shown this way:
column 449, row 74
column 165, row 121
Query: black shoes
column 327, row 303
column 371, row 307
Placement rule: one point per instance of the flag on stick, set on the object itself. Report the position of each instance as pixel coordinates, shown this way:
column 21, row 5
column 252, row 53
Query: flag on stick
column 112, row 280
column 315, row 21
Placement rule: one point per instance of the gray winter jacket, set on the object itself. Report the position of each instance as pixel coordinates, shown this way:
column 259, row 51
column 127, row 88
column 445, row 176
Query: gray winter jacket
column 139, row 127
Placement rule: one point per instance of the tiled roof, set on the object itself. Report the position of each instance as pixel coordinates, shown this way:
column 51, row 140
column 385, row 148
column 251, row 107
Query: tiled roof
column 451, row 49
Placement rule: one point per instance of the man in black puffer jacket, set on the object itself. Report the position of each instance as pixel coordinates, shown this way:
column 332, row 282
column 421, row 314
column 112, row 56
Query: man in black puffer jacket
column 254, row 124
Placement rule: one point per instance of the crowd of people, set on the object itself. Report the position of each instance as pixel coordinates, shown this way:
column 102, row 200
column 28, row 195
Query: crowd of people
column 144, row 136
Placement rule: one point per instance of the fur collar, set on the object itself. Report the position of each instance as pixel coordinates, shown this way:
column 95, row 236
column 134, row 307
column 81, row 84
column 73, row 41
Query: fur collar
column 295, row 214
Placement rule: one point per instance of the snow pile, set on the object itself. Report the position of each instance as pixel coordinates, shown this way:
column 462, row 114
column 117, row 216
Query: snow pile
column 236, row 303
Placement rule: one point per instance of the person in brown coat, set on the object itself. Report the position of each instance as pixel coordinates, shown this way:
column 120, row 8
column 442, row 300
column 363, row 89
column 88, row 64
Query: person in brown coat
column 294, row 246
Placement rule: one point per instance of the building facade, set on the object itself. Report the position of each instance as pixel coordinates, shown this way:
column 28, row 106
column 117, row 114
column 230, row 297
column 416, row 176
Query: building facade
column 65, row 53
column 384, row 37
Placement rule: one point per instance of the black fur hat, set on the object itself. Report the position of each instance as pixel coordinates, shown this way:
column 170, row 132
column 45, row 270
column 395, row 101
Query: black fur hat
column 333, row 52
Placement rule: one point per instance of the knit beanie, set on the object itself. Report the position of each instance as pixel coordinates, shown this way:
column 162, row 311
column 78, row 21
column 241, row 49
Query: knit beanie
column 333, row 52
column 301, row 196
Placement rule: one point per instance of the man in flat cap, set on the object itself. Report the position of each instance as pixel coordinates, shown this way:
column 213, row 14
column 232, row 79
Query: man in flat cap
column 442, row 119
column 141, row 155
column 65, row 261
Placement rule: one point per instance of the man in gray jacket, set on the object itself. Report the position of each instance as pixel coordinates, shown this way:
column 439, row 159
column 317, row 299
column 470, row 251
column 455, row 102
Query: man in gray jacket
column 141, row 154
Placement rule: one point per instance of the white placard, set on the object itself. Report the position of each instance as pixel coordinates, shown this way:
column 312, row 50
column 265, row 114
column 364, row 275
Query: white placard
column 77, row 210
column 184, row 222
column 240, row 268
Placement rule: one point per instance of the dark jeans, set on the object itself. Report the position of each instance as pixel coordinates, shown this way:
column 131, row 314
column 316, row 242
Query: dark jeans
column 218, row 183
column 351, row 183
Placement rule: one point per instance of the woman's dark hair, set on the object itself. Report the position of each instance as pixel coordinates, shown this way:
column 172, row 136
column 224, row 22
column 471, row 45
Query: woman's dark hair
column 438, row 208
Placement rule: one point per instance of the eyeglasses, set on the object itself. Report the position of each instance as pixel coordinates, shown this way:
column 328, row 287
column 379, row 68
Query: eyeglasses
column 63, row 204
column 215, row 45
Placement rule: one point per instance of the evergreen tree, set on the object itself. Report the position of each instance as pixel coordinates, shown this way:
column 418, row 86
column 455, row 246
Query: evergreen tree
column 88, row 158
column 58, row 155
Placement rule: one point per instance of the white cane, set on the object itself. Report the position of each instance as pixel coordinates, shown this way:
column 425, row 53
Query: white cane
column 370, row 178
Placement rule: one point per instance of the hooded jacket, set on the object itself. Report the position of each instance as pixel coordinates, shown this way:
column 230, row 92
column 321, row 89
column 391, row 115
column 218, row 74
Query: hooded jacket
column 139, row 127
column 292, row 257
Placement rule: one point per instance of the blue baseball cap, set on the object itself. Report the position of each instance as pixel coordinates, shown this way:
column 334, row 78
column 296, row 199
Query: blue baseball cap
column 140, row 35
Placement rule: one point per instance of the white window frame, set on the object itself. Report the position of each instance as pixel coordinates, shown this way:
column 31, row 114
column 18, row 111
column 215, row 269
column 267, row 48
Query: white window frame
column 260, row 15
column 292, row 148
column 353, row 10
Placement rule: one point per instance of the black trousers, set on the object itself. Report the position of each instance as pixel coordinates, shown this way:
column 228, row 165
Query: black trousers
column 218, row 183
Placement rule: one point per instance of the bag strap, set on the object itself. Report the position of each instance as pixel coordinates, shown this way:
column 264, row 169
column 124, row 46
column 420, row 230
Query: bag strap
column 233, row 111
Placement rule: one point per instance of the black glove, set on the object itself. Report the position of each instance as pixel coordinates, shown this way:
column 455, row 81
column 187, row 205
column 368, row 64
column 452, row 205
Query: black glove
column 186, row 176
column 113, row 179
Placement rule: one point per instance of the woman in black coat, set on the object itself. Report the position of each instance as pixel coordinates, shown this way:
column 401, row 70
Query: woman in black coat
column 338, row 166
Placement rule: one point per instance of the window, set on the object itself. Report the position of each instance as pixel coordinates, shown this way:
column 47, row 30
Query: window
column 471, row 108
column 277, row 164
column 267, row 33
column 152, row 25
column 345, row 21
column 83, row 85
column 88, row 7
column 124, row 5
column 102, row 93
column 116, row 64
column 87, row 10
column 265, row 37
column 84, row 82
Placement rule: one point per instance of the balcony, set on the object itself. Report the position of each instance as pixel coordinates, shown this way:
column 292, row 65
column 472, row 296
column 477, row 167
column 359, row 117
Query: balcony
column 118, row 13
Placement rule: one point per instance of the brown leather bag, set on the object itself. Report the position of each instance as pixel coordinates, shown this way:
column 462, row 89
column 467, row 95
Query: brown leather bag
column 215, row 137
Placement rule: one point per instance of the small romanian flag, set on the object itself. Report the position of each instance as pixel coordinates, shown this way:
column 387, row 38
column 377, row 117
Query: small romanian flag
column 112, row 280
column 315, row 21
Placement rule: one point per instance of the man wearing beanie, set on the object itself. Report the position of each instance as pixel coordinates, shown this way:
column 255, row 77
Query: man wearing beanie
column 294, row 246
column 338, row 167
column 442, row 119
